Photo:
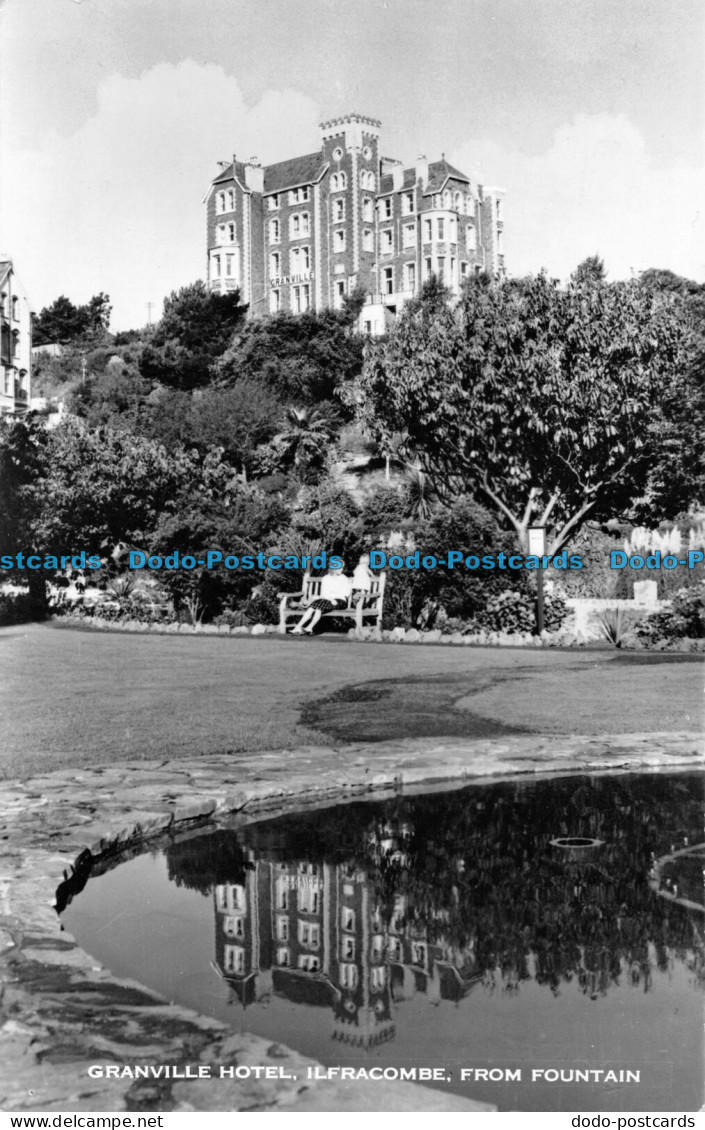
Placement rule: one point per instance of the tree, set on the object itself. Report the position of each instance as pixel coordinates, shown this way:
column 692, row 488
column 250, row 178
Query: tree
column 103, row 487
column 542, row 401
column 302, row 444
column 590, row 270
column 63, row 322
column 195, row 329
column 24, row 462
column 302, row 358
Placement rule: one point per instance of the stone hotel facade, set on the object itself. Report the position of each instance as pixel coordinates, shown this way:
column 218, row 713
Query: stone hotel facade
column 302, row 234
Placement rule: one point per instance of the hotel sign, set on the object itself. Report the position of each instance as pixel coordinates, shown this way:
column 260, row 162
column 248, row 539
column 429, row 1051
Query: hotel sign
column 290, row 280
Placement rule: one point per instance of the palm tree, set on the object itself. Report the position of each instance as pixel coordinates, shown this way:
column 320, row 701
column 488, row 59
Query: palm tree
column 304, row 440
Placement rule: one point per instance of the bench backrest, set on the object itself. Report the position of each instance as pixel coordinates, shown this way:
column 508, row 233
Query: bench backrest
column 312, row 586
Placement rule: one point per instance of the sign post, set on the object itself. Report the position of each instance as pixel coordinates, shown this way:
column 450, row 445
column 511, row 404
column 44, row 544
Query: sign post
column 537, row 548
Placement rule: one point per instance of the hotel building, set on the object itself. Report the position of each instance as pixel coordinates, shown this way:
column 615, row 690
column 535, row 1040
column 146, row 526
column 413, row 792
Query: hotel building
column 302, row 234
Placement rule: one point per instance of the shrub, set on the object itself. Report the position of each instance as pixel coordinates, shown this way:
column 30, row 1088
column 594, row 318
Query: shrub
column 685, row 619
column 614, row 625
column 19, row 608
column 232, row 618
column 514, row 612
column 263, row 606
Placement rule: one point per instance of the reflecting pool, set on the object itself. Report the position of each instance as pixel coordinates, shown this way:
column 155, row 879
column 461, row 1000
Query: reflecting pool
column 547, row 933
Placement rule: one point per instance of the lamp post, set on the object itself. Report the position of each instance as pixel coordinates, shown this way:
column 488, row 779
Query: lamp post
column 537, row 548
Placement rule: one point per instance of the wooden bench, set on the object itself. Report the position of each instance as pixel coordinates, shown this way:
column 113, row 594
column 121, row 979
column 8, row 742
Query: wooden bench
column 363, row 608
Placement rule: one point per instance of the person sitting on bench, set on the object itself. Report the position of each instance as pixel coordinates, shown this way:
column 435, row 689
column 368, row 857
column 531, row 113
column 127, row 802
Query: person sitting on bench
column 335, row 593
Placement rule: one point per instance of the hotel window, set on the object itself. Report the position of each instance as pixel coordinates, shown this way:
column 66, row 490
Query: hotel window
column 469, row 206
column 410, row 276
column 458, row 201
column 282, row 928
column 463, row 271
column 377, row 947
column 378, row 977
column 302, row 301
column 275, row 301
column 347, row 918
column 385, row 208
column 15, row 309
column 339, row 294
column 309, row 962
column 441, row 229
column 368, row 240
column 229, row 265
column 500, row 242
column 273, row 201
column 393, row 949
column 338, row 182
column 231, row 233
column 220, row 202
column 234, row 959
column 220, row 235
column 418, row 953
column 498, row 205
column 298, row 195
column 427, row 231
column 409, row 235
column 367, row 179
column 339, row 240
column 388, row 280
column 310, row 934
column 386, row 240
column 309, row 900
column 15, row 344
column 407, row 203
column 447, row 199
column 282, row 894
column 471, row 238
column 441, row 268
column 368, row 212
column 347, row 949
column 275, row 264
column 216, row 266
column 338, row 210
column 437, row 201
column 300, row 259
column 299, row 225
column 283, row 956
column 275, row 231
column 234, row 927
column 428, row 268
column 3, row 304
column 230, row 200
column 348, row 976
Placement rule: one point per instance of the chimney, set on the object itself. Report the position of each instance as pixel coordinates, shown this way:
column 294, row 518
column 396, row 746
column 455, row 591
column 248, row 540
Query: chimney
column 254, row 175
column 422, row 169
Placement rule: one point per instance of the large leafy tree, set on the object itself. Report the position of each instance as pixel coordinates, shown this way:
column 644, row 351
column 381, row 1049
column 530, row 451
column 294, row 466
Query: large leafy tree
column 63, row 322
column 303, row 358
column 542, row 401
column 103, row 487
column 195, row 329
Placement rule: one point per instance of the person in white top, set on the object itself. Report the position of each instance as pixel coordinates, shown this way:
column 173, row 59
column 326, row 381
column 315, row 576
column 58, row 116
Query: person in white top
column 362, row 578
column 335, row 593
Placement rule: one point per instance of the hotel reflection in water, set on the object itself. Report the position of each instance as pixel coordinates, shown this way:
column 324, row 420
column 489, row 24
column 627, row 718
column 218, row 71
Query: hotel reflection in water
column 315, row 935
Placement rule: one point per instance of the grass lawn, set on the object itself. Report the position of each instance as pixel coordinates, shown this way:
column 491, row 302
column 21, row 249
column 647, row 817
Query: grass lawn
column 75, row 698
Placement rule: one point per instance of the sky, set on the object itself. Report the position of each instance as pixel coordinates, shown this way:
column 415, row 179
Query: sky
column 114, row 114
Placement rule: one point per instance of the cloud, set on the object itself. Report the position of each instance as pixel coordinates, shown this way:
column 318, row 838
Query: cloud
column 117, row 206
column 594, row 191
